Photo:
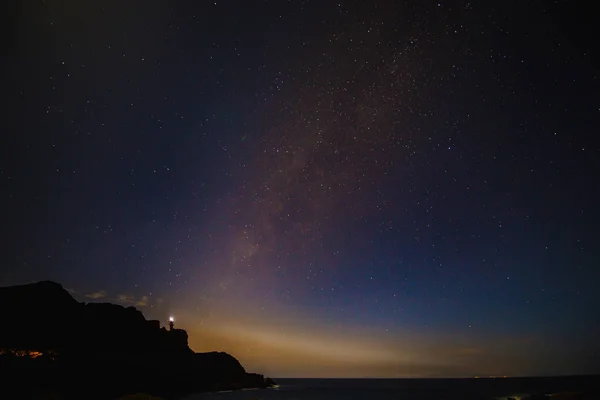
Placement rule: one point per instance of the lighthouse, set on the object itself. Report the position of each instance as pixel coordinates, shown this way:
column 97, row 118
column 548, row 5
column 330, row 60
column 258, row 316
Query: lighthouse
column 171, row 323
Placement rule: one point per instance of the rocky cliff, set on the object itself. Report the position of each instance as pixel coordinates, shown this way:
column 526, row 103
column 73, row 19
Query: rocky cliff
column 50, row 341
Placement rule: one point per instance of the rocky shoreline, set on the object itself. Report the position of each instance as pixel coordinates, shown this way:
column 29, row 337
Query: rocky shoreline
column 58, row 345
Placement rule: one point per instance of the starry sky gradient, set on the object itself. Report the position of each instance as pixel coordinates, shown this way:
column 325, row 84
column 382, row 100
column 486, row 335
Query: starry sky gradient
column 348, row 188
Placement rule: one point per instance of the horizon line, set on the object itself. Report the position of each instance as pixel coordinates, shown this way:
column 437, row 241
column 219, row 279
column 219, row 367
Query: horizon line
column 455, row 377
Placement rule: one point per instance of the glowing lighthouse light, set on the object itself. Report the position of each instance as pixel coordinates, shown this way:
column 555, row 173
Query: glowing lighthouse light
column 171, row 319
column 171, row 323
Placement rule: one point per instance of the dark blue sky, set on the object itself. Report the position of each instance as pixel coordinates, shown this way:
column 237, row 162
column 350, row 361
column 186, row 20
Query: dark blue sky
column 320, row 188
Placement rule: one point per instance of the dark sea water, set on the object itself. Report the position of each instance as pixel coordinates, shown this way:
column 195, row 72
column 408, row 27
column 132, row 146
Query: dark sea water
column 408, row 389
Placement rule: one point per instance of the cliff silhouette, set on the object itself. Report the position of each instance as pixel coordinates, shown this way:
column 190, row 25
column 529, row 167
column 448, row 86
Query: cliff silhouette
column 50, row 342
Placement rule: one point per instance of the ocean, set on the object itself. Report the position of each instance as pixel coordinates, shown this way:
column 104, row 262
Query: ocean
column 414, row 389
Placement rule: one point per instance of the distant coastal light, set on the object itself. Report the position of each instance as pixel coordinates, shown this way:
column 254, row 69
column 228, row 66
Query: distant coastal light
column 171, row 319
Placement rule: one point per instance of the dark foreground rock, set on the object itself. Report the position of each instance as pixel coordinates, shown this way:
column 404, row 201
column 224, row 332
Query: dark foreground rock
column 51, row 343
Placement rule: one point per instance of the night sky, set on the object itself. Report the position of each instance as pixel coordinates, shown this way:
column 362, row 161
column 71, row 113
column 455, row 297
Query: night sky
column 320, row 188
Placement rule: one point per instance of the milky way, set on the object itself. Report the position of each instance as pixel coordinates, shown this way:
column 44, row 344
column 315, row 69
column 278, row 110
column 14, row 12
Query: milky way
column 344, row 189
